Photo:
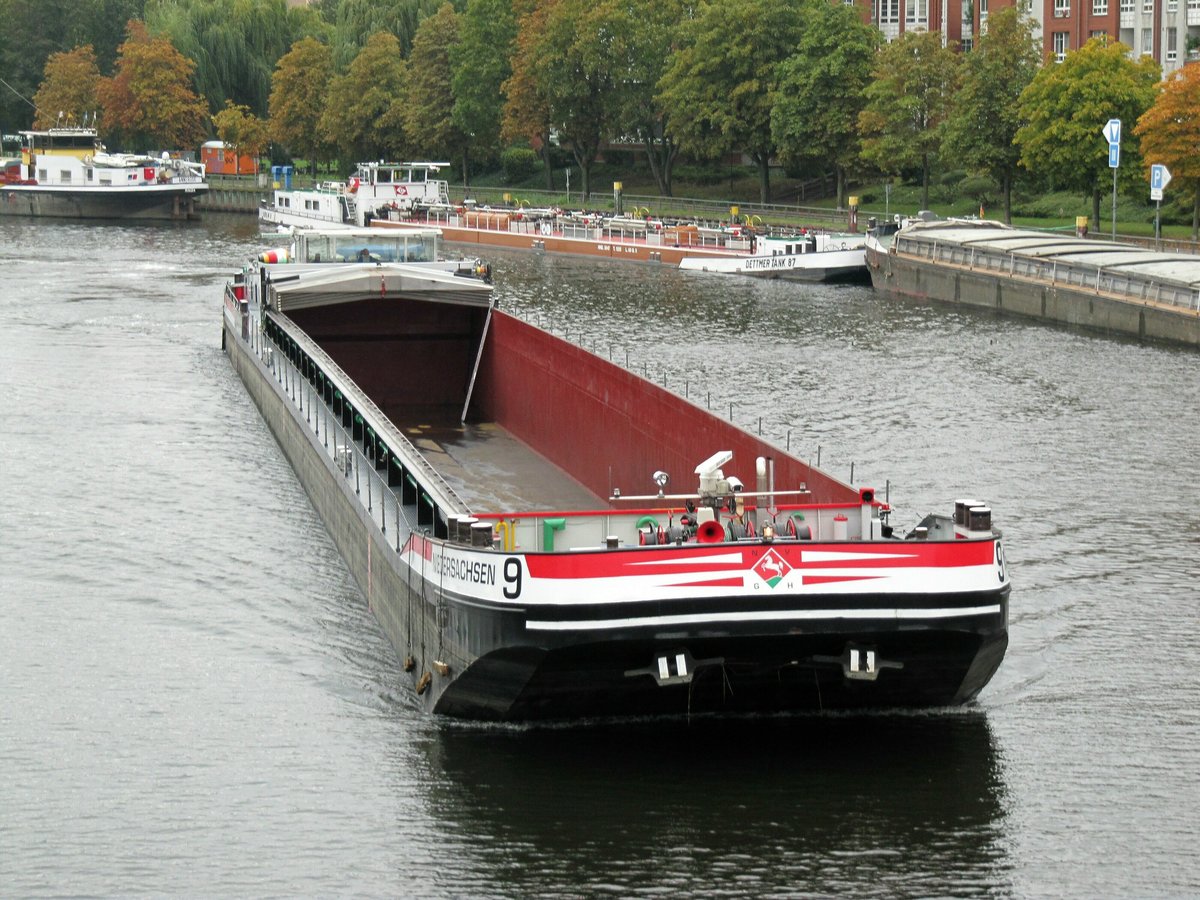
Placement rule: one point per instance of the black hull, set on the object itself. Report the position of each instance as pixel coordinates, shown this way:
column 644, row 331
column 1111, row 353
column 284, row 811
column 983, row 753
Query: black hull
column 177, row 204
column 731, row 674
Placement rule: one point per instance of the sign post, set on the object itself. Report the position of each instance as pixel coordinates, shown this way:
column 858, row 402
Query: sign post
column 1112, row 133
column 1160, row 177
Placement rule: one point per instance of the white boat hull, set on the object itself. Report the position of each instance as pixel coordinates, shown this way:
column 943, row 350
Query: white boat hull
column 824, row 266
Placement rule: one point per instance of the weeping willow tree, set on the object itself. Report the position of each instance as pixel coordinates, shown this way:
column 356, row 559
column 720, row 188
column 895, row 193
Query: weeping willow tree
column 355, row 21
column 234, row 43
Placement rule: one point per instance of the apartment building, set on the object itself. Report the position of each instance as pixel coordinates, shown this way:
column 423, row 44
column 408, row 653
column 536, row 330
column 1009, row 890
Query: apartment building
column 1168, row 30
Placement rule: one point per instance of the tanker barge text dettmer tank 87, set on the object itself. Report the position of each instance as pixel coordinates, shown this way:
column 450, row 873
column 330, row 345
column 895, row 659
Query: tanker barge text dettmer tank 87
column 483, row 480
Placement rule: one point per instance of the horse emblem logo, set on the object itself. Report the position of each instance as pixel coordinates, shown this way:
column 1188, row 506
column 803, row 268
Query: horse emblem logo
column 772, row 568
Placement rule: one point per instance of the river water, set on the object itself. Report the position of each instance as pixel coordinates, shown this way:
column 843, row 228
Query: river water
column 195, row 700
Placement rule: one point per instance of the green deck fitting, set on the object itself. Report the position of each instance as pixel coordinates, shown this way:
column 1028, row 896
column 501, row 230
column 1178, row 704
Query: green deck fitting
column 549, row 526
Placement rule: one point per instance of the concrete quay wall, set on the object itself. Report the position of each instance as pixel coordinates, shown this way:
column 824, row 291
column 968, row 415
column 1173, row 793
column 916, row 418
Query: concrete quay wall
column 369, row 554
column 232, row 199
column 1059, row 303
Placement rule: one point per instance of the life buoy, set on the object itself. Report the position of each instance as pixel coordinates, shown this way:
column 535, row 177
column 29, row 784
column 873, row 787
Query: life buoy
column 353, row 185
column 545, row 228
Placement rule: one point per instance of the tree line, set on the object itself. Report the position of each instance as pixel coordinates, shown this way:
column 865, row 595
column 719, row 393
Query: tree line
column 807, row 84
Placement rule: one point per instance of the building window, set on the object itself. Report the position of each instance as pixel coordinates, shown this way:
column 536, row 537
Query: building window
column 889, row 11
column 916, row 12
column 1101, row 35
column 1147, row 41
column 1147, row 6
column 1062, row 9
column 1099, row 7
column 1172, row 45
column 1060, row 45
column 1172, row 5
column 1126, row 6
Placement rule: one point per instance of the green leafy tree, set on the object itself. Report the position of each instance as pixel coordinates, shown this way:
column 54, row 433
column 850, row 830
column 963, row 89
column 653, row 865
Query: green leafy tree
column 34, row 29
column 821, row 90
column 722, row 83
column 234, row 43
column 479, row 64
column 574, row 70
column 364, row 110
column 636, row 31
column 429, row 104
column 68, row 92
column 357, row 21
column 1065, row 108
column 1169, row 132
column 299, row 92
column 908, row 102
column 243, row 132
column 526, row 115
column 149, row 102
column 987, row 110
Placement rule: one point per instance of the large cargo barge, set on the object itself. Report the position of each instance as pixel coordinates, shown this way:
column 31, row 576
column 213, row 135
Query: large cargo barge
column 1093, row 284
column 545, row 535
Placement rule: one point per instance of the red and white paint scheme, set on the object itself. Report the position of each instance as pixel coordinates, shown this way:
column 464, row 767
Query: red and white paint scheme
column 484, row 481
column 67, row 173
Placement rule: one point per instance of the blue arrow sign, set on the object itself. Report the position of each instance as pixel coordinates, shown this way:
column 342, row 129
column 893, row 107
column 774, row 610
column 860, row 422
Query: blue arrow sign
column 1112, row 131
column 1114, row 156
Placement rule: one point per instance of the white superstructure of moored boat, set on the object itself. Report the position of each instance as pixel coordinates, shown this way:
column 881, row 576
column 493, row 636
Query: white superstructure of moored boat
column 373, row 191
column 67, row 172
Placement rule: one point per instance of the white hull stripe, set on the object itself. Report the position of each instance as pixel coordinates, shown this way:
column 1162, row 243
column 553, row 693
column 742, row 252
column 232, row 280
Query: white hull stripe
column 764, row 615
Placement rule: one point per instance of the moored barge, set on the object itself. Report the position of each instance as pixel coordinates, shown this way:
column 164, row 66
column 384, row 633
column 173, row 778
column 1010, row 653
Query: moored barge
column 544, row 535
column 1063, row 278
column 68, row 173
